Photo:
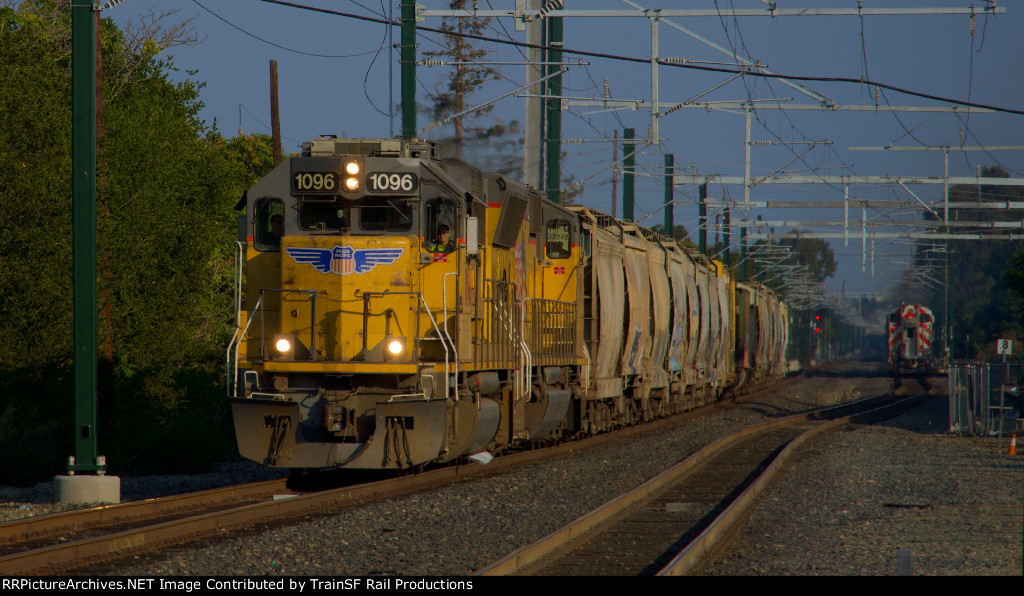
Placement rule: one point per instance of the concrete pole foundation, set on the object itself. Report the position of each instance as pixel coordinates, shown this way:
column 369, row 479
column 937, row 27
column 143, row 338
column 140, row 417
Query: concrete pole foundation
column 79, row 490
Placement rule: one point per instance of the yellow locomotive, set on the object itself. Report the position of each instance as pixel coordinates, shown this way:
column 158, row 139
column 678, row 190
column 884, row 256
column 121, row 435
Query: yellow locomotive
column 402, row 309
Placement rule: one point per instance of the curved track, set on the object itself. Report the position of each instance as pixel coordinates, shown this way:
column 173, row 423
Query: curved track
column 92, row 538
column 664, row 526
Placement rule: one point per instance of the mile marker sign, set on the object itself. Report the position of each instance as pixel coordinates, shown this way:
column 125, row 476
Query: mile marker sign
column 1004, row 346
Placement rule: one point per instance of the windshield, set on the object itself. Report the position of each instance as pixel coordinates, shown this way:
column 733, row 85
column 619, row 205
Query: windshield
column 391, row 215
column 323, row 217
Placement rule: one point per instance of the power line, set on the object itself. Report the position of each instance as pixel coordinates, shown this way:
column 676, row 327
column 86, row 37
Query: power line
column 285, row 48
column 661, row 62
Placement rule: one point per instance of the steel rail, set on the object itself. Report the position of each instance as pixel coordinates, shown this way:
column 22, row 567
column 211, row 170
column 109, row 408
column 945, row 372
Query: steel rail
column 42, row 526
column 687, row 558
column 59, row 558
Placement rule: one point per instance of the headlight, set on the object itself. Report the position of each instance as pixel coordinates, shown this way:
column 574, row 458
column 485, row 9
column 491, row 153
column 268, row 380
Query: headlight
column 351, row 184
column 283, row 345
column 352, row 168
column 395, row 347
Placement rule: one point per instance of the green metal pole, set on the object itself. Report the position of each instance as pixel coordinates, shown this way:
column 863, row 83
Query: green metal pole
column 554, row 110
column 627, row 174
column 669, row 216
column 702, row 219
column 408, row 58
column 83, row 199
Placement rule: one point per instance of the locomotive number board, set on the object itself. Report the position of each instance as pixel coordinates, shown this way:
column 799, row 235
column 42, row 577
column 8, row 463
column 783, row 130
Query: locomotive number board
column 392, row 183
column 315, row 182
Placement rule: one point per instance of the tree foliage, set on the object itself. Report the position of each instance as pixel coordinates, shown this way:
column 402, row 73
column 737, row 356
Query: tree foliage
column 479, row 132
column 986, row 277
column 164, row 224
column 679, row 232
column 813, row 253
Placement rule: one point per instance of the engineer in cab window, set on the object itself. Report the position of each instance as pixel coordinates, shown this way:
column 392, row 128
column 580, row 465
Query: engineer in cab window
column 276, row 230
column 442, row 242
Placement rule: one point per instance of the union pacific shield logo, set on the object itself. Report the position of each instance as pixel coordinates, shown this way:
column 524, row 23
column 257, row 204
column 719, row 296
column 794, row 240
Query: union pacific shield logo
column 343, row 260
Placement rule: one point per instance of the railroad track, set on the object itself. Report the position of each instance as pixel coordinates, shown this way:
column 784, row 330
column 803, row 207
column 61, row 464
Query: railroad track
column 92, row 538
column 667, row 524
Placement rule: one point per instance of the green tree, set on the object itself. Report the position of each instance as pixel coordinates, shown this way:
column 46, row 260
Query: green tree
column 255, row 154
column 679, row 232
column 813, row 253
column 165, row 225
column 984, row 274
column 479, row 132
column 1015, row 280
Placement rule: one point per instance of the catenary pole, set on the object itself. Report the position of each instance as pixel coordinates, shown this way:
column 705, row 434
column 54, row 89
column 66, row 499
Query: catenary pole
column 408, row 58
column 83, row 198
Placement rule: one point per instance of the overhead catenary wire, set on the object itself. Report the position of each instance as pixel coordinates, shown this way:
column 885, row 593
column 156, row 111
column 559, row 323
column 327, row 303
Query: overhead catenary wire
column 647, row 61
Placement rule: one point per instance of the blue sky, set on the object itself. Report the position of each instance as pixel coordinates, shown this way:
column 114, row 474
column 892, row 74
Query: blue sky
column 334, row 78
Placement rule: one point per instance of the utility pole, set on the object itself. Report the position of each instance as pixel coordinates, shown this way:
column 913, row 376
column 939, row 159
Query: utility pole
column 743, row 252
column 669, row 218
column 408, row 58
column 628, row 147
column 275, row 115
column 554, row 109
column 702, row 219
column 391, row 72
column 615, row 173
column 533, row 141
column 726, row 235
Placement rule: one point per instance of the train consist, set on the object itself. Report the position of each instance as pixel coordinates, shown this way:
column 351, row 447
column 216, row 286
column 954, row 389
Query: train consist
column 402, row 309
column 910, row 339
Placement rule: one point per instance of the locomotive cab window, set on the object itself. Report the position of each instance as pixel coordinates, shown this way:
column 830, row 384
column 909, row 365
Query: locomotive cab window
column 385, row 215
column 440, row 220
column 558, row 244
column 320, row 216
column 269, row 225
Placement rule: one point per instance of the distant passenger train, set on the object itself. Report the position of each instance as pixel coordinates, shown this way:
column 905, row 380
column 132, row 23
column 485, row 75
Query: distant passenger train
column 910, row 339
column 402, row 309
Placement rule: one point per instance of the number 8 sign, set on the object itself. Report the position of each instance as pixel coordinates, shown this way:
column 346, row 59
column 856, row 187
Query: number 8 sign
column 1004, row 346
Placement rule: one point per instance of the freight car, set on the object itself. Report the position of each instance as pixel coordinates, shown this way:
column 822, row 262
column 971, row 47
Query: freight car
column 910, row 339
column 402, row 309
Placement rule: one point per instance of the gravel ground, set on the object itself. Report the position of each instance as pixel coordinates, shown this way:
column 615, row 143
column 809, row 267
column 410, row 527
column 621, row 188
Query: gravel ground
column 956, row 502
column 850, row 502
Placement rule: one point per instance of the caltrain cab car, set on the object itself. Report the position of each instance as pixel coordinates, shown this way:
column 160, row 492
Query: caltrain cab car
column 909, row 329
column 400, row 309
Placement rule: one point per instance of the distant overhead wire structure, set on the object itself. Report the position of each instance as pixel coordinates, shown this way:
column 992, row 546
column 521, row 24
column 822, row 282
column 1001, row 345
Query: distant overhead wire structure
column 660, row 61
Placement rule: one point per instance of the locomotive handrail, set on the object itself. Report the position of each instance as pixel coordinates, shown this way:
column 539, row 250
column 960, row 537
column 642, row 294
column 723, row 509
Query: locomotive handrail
column 447, row 370
column 522, row 378
column 528, row 366
column 232, row 378
column 444, row 306
column 430, row 315
column 239, row 259
column 549, row 318
column 586, row 368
